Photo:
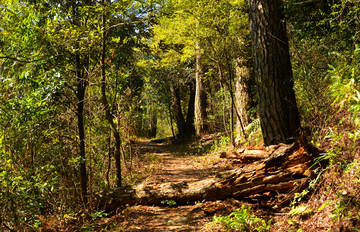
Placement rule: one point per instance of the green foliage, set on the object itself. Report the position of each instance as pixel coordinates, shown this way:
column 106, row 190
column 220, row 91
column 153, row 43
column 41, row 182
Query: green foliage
column 345, row 77
column 45, row 47
column 303, row 211
column 26, row 196
column 253, row 130
column 325, row 51
column 345, row 206
column 170, row 203
column 216, row 30
column 222, row 143
column 242, row 220
column 98, row 214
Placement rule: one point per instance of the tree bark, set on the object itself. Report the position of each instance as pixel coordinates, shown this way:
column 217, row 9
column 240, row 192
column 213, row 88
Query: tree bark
column 80, row 94
column 278, row 112
column 185, row 128
column 284, row 169
column 177, row 111
column 201, row 125
column 242, row 91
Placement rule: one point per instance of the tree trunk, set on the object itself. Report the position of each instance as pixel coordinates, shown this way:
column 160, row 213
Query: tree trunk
column 190, row 127
column 242, row 91
column 282, row 169
column 153, row 122
column 80, row 93
column 108, row 114
column 279, row 114
column 177, row 111
column 200, row 99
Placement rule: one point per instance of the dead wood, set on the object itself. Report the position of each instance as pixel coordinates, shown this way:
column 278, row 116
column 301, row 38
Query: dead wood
column 281, row 169
column 246, row 156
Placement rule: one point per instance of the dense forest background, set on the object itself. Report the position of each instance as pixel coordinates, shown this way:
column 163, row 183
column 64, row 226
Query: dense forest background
column 82, row 80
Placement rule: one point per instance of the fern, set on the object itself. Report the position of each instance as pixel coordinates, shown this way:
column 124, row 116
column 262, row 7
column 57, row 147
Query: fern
column 242, row 220
column 253, row 126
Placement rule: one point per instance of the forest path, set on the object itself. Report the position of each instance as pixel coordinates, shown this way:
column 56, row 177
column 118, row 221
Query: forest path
column 176, row 164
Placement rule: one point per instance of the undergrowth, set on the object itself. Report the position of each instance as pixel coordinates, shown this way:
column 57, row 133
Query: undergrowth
column 241, row 220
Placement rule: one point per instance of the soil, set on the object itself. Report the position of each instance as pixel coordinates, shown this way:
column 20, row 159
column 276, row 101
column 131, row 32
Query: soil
column 176, row 166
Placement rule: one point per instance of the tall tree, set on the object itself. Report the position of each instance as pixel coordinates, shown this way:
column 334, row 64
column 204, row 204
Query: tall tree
column 278, row 111
column 201, row 125
column 206, row 32
column 109, row 114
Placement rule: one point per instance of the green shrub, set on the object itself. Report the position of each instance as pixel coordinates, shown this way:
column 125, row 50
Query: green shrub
column 241, row 219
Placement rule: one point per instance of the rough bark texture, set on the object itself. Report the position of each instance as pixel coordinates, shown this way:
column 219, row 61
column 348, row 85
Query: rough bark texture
column 283, row 169
column 201, row 126
column 279, row 115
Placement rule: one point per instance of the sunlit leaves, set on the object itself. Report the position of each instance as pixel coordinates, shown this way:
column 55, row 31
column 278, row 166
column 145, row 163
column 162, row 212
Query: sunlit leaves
column 184, row 23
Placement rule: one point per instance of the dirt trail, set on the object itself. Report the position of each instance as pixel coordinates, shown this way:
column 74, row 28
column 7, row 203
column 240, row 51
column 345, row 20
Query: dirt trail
column 177, row 164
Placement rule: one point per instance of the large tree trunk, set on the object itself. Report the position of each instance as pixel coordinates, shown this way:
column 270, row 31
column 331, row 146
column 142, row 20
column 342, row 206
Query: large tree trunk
column 279, row 169
column 279, row 114
column 201, row 125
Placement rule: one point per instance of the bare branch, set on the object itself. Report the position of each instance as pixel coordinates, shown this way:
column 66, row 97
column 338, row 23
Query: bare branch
column 121, row 24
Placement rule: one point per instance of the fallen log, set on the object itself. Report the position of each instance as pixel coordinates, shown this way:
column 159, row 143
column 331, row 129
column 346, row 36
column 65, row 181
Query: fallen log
column 246, row 156
column 286, row 170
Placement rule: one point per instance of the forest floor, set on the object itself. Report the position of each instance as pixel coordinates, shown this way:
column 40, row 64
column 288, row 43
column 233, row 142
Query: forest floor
column 170, row 163
column 176, row 164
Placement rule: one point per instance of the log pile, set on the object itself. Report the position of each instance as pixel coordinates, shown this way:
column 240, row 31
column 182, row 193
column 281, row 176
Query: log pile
column 285, row 168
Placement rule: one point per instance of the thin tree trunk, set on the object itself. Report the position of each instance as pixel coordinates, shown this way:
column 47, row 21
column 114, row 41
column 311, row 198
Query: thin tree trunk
column 81, row 87
column 109, row 159
column 153, row 122
column 171, row 123
column 131, row 156
column 279, row 114
column 232, row 139
column 233, row 106
column 109, row 115
column 232, row 98
column 190, row 116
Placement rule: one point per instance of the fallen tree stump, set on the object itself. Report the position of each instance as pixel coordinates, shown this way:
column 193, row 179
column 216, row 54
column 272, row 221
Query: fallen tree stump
column 281, row 169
